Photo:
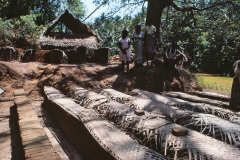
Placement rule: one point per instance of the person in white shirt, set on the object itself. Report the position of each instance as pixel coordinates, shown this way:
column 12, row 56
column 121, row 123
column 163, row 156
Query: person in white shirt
column 138, row 37
column 151, row 41
column 124, row 45
column 173, row 55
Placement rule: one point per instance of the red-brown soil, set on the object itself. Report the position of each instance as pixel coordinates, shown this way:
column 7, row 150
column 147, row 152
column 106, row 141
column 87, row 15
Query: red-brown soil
column 33, row 76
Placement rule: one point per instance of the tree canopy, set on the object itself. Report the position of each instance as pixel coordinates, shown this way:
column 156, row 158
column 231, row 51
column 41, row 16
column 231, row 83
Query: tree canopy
column 207, row 30
column 45, row 10
column 27, row 18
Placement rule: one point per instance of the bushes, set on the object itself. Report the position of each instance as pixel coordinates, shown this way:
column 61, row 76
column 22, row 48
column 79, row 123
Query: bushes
column 23, row 27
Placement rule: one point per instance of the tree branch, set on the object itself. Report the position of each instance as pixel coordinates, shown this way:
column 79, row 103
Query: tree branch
column 124, row 5
column 184, row 9
column 191, row 9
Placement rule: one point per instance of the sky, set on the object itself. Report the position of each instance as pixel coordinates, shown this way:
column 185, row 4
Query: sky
column 91, row 7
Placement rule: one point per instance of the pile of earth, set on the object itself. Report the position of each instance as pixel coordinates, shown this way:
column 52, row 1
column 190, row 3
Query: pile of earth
column 33, row 76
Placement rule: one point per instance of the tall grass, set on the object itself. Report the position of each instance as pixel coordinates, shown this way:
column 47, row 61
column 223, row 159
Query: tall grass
column 223, row 84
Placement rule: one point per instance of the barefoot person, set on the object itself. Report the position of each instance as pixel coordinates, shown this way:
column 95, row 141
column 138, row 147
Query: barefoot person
column 138, row 37
column 151, row 41
column 124, row 44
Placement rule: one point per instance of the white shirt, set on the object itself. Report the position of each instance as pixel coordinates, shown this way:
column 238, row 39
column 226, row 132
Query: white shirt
column 150, row 29
column 124, row 43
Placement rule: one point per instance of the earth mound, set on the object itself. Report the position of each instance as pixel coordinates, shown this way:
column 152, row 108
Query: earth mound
column 33, row 76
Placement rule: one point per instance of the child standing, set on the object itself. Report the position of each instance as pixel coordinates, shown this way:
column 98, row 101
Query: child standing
column 124, row 45
column 151, row 42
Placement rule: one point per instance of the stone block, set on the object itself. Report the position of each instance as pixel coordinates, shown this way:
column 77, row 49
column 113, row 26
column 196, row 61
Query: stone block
column 27, row 139
column 31, row 117
column 21, row 101
column 19, row 92
column 139, row 112
column 179, row 131
column 36, row 143
column 38, row 152
column 52, row 156
column 32, row 131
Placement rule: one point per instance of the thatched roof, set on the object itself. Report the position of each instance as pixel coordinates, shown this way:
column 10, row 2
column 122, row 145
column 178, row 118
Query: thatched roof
column 82, row 34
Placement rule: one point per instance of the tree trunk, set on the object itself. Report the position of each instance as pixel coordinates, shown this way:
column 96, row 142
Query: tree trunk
column 154, row 11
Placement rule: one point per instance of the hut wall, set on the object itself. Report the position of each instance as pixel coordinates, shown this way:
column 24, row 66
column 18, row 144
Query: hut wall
column 40, row 55
column 55, row 56
column 73, row 56
column 82, row 52
column 101, row 55
column 8, row 54
column 28, row 55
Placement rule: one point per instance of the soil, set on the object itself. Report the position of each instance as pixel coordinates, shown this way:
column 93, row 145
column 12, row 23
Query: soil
column 33, row 76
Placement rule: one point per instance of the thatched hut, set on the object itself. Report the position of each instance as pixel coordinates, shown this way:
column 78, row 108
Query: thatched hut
column 67, row 32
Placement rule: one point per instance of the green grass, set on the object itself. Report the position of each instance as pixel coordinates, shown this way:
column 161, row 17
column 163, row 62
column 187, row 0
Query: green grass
column 216, row 83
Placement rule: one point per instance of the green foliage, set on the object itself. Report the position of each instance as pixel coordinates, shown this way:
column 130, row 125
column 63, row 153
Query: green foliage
column 110, row 28
column 28, row 18
column 27, row 28
column 23, row 27
column 76, row 7
column 209, row 37
column 3, row 3
column 6, row 33
column 46, row 11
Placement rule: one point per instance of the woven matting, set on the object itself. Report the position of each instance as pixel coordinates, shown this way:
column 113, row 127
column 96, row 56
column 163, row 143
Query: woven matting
column 156, row 133
column 145, row 104
column 197, row 99
column 86, row 98
column 183, row 104
column 113, row 140
column 208, row 124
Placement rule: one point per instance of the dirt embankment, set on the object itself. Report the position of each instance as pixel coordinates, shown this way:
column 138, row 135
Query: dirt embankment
column 9, row 79
column 33, row 76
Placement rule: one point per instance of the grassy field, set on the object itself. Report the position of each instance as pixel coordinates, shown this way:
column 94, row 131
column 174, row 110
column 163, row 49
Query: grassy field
column 216, row 83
